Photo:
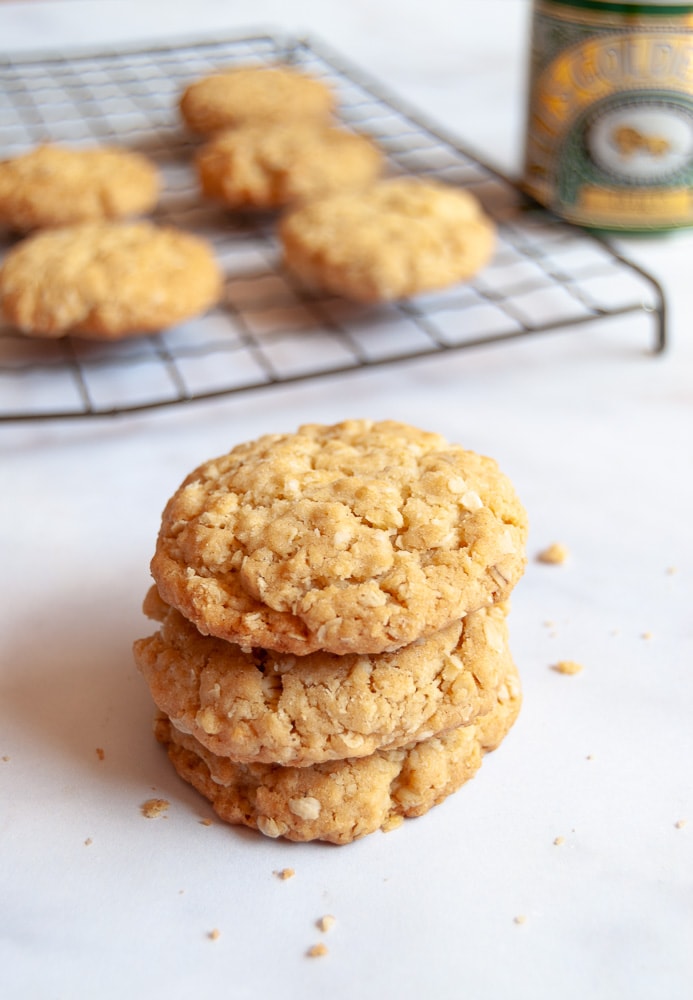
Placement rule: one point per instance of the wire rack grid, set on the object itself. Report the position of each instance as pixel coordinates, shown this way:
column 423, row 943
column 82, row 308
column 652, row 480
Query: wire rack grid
column 545, row 276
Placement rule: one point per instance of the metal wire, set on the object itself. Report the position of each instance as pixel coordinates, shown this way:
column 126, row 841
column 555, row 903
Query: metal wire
column 546, row 276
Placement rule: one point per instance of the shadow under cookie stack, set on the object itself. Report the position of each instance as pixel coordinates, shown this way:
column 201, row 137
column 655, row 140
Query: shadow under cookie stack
column 333, row 655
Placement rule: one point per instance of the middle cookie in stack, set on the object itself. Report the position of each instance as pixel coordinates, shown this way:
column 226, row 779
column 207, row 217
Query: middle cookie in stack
column 315, row 669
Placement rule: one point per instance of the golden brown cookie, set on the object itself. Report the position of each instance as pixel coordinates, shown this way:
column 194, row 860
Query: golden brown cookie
column 397, row 239
column 355, row 538
column 259, row 706
column 269, row 166
column 343, row 800
column 56, row 185
column 254, row 93
column 107, row 280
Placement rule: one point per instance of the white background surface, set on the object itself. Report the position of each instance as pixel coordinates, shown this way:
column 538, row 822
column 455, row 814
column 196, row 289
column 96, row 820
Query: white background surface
column 598, row 438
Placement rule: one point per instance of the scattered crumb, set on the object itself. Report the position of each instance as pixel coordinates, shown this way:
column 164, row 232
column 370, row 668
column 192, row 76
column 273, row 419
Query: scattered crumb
column 392, row 823
column 590, row 756
column 154, row 807
column 215, row 934
column 646, row 635
column 285, row 873
column 520, row 919
column 567, row 667
column 100, row 753
column 671, row 570
column 317, row 951
column 555, row 554
column 615, row 631
column 206, row 822
column 680, row 823
column 559, row 841
column 326, row 923
column 88, row 842
column 548, row 623
column 6, row 757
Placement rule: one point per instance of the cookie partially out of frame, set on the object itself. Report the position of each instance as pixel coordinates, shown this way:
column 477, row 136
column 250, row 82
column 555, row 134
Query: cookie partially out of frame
column 342, row 801
column 107, row 280
column 270, row 166
column 400, row 238
column 57, row 185
column 243, row 94
column 359, row 537
column 259, row 706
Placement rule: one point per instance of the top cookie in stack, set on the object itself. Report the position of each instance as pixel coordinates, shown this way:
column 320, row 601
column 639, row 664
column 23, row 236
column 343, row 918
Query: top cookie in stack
column 354, row 538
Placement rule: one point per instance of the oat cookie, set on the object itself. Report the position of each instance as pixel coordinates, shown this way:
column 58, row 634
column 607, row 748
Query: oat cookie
column 399, row 238
column 57, row 185
column 269, row 166
column 355, row 538
column 343, row 800
column 254, row 93
column 259, row 706
column 107, row 280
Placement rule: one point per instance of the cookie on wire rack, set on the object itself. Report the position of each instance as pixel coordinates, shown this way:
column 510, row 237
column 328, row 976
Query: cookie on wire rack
column 242, row 94
column 399, row 238
column 107, row 280
column 271, row 166
column 54, row 185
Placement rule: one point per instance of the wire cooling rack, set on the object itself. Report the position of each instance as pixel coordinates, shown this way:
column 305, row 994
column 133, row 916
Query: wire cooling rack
column 546, row 276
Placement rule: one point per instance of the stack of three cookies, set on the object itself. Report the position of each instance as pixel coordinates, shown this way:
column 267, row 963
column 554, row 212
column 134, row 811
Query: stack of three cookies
column 333, row 651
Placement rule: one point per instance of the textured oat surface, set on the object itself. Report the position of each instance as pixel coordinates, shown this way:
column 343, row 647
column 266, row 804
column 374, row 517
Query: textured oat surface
column 269, row 166
column 399, row 238
column 254, row 93
column 358, row 537
column 107, row 280
column 278, row 708
column 56, row 186
column 343, row 800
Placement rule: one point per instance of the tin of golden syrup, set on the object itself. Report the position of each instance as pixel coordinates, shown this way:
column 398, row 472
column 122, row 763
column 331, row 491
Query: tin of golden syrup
column 610, row 122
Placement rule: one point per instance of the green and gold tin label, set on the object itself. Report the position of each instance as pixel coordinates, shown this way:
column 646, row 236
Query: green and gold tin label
column 610, row 126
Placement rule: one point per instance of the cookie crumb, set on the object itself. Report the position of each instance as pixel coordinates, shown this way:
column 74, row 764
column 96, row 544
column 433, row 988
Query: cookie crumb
column 671, row 570
column 680, row 823
column 567, row 667
column 326, row 923
column 205, row 822
column 285, row 873
column 317, row 951
column 392, row 823
column 590, row 756
column 6, row 757
column 154, row 807
column 555, row 554
column 88, row 842
column 559, row 841
column 215, row 934
column 520, row 919
column 100, row 753
column 646, row 635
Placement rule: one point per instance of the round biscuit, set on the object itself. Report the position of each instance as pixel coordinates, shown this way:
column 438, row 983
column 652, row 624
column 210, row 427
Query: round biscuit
column 243, row 94
column 55, row 185
column 397, row 239
column 258, row 706
column 270, row 166
column 359, row 537
column 344, row 800
column 107, row 280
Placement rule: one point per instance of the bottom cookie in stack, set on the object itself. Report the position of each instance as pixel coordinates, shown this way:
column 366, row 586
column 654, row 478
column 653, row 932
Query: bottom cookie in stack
column 343, row 800
column 329, row 747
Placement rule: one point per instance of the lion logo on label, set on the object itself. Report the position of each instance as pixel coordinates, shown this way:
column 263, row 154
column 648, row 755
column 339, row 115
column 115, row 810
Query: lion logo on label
column 629, row 141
